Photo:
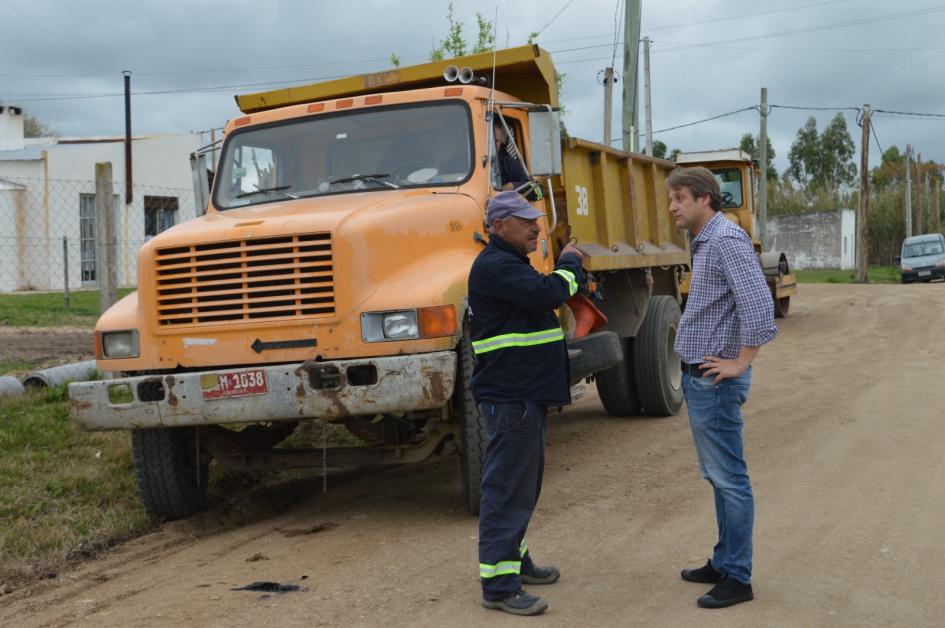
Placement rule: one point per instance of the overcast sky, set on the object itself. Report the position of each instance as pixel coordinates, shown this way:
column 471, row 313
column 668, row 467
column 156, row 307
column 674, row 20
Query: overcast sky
column 709, row 57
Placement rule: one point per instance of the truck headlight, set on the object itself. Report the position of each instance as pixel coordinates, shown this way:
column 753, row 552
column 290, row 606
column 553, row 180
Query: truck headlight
column 383, row 326
column 940, row 263
column 906, row 268
column 120, row 344
column 425, row 322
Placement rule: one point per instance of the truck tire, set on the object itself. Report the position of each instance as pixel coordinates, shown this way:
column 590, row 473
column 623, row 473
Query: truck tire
column 615, row 386
column 169, row 482
column 655, row 364
column 473, row 435
column 781, row 307
column 593, row 353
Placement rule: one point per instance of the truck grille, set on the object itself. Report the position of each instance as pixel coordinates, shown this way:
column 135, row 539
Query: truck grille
column 243, row 280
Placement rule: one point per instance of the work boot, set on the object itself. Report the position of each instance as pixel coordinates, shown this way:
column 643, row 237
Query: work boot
column 706, row 574
column 520, row 603
column 541, row 575
column 726, row 593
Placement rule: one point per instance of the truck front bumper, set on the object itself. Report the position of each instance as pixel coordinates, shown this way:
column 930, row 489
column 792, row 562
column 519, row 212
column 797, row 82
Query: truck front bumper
column 310, row 390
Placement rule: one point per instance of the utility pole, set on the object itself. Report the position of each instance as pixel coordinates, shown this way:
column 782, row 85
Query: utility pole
column 919, row 214
column 129, row 190
column 763, row 175
column 631, row 51
column 862, row 254
column 646, row 95
column 927, row 193
column 608, row 103
column 938, row 209
column 908, row 191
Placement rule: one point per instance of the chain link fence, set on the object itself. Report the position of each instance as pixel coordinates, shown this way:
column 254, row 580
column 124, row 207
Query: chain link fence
column 49, row 230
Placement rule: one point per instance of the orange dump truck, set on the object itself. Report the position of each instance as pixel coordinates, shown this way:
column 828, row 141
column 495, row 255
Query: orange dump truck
column 327, row 279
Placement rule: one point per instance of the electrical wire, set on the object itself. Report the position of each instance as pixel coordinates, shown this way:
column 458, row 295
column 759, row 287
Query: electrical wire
column 560, row 11
column 680, row 126
column 910, row 113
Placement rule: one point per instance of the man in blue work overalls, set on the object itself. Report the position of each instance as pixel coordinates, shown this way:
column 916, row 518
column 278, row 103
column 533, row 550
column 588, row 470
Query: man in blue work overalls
column 521, row 369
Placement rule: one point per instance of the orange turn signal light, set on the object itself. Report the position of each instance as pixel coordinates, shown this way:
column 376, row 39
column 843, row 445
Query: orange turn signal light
column 97, row 341
column 319, row 106
column 243, row 121
column 436, row 322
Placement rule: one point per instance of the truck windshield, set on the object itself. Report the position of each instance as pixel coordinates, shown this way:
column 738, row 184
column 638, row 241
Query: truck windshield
column 370, row 150
column 730, row 180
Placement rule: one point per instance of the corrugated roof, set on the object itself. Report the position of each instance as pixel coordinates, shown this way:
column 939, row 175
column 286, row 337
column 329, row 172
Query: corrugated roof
column 32, row 153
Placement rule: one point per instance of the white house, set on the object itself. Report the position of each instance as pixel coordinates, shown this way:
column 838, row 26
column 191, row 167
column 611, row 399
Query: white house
column 815, row 240
column 47, row 202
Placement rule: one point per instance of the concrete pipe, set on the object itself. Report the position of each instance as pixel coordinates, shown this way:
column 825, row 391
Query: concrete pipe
column 10, row 386
column 78, row 372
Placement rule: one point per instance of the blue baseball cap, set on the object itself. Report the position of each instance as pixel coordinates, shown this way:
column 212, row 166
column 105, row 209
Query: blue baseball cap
column 510, row 203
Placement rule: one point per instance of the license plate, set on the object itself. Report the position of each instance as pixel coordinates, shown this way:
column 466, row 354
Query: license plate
column 239, row 384
column 925, row 273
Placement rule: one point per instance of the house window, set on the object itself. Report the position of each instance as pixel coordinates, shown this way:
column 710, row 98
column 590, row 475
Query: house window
column 88, row 237
column 160, row 213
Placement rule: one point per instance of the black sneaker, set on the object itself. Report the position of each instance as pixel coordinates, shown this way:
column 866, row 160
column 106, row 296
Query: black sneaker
column 520, row 603
column 726, row 593
column 541, row 575
column 706, row 574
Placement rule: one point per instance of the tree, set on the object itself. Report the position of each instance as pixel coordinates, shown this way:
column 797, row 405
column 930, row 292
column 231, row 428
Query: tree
column 455, row 44
column 32, row 127
column 823, row 161
column 659, row 149
column 838, row 152
column 804, row 157
column 749, row 144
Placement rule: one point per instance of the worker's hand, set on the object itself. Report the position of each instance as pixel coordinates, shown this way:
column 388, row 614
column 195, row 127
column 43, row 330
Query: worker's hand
column 570, row 248
column 722, row 368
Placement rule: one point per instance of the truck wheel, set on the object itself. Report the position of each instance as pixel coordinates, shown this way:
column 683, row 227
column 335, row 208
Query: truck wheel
column 169, row 481
column 615, row 386
column 781, row 307
column 473, row 436
column 655, row 364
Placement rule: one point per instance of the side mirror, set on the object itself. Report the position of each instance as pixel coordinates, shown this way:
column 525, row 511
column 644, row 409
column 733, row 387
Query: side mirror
column 198, row 170
column 544, row 136
column 898, row 259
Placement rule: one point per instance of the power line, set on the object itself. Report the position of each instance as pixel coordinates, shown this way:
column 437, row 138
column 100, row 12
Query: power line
column 857, row 109
column 910, row 113
column 560, row 11
column 721, row 115
column 613, row 56
column 814, row 29
column 746, row 15
column 799, row 31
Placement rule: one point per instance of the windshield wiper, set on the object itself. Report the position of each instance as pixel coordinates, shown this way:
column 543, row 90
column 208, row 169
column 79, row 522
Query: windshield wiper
column 373, row 178
column 259, row 190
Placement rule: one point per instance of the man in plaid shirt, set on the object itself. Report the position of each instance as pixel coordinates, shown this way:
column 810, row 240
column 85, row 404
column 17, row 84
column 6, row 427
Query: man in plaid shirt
column 729, row 315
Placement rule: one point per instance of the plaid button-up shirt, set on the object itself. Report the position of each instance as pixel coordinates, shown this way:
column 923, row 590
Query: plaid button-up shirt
column 729, row 304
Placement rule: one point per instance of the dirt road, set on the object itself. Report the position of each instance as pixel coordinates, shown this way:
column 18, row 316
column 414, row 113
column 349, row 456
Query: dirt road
column 846, row 446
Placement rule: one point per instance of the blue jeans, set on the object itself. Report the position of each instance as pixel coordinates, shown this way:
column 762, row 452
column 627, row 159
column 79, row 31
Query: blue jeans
column 715, row 415
column 511, row 483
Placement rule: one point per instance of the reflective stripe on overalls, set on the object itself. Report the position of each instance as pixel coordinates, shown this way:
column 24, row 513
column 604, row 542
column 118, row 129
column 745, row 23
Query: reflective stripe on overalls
column 517, row 340
column 568, row 276
column 506, row 567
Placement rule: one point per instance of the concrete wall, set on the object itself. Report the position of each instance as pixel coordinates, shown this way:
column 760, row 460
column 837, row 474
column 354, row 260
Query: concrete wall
column 815, row 240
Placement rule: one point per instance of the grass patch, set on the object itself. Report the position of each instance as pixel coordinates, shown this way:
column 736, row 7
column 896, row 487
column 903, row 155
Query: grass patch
column 67, row 494
column 64, row 491
column 47, row 309
column 877, row 274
